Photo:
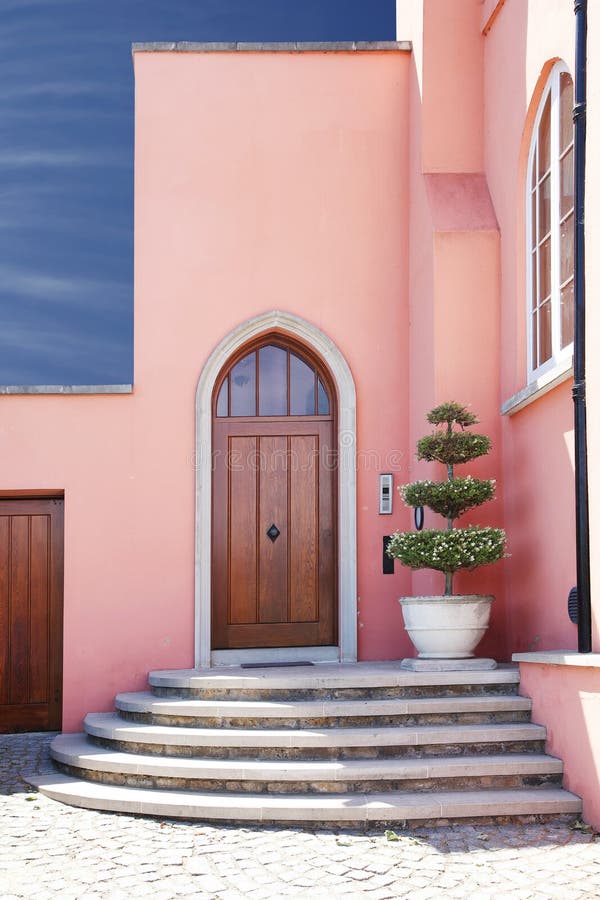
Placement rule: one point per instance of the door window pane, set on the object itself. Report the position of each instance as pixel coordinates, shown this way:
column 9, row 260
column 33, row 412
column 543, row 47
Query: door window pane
column 284, row 385
column 323, row 400
column 243, row 387
column 272, row 389
column 223, row 399
column 302, row 387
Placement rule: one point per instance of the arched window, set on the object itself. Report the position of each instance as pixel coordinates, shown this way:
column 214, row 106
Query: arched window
column 272, row 380
column 550, row 232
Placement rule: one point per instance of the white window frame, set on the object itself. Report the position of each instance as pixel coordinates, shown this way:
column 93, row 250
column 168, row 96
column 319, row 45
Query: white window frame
column 560, row 356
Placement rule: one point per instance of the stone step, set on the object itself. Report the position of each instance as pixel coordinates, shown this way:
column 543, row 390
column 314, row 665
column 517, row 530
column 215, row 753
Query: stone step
column 314, row 742
column 348, row 809
column 79, row 757
column 348, row 744
column 329, row 681
column 145, row 707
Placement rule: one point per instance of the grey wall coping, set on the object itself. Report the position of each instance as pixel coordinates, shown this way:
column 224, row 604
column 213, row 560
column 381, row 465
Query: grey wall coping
column 66, row 388
column 271, row 46
column 559, row 658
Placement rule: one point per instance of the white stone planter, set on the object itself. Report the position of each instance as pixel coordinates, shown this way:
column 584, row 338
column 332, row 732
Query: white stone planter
column 446, row 627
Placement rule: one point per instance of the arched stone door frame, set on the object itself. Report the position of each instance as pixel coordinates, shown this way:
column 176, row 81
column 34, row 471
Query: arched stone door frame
column 331, row 356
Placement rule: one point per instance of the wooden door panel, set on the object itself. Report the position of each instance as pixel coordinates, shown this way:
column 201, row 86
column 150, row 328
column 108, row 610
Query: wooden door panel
column 273, row 593
column 281, row 634
column 31, row 572
column 327, row 541
column 242, row 544
column 304, row 525
column 273, row 510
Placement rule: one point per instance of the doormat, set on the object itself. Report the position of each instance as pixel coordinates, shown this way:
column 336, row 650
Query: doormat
column 275, row 665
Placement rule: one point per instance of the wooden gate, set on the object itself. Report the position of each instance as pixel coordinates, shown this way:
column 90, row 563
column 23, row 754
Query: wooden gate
column 31, row 612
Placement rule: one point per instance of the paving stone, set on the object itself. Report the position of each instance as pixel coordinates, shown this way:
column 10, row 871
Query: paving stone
column 49, row 850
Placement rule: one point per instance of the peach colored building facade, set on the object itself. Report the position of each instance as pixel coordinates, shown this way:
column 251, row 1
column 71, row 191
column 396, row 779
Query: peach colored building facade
column 368, row 202
column 479, row 75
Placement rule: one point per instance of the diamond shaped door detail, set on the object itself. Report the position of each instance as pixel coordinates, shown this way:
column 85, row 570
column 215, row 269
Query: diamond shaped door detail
column 273, row 533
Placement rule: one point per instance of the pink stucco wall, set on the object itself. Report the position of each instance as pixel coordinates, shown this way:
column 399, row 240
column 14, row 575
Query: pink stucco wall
column 452, row 88
column 566, row 700
column 263, row 181
column 537, row 457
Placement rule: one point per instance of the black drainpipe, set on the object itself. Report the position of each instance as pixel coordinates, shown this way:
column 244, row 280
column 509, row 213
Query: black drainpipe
column 582, row 534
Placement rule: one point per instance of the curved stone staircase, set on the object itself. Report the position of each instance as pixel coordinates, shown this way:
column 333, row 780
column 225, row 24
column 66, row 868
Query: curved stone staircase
column 352, row 744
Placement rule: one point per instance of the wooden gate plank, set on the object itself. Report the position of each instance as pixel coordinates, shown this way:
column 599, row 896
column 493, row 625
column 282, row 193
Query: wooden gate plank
column 4, row 608
column 39, row 605
column 18, row 691
column 55, row 618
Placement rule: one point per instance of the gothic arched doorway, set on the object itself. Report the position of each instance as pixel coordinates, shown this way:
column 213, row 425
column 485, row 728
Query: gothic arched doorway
column 274, row 535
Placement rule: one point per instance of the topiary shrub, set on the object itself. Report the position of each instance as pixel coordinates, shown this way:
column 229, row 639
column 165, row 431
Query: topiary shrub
column 450, row 549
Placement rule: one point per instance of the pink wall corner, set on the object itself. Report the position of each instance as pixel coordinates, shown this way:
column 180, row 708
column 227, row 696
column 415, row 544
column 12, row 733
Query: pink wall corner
column 460, row 202
column 566, row 700
column 454, row 303
column 421, row 281
column 466, row 361
column 465, row 354
column 422, row 319
column 452, row 88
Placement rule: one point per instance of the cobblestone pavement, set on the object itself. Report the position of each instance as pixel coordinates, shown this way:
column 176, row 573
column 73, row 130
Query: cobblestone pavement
column 48, row 850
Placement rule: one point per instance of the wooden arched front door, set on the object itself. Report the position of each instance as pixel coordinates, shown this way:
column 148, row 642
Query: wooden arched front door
column 274, row 552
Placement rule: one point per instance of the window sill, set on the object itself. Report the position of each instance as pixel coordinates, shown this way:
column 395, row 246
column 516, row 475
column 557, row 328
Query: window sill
column 559, row 658
column 536, row 389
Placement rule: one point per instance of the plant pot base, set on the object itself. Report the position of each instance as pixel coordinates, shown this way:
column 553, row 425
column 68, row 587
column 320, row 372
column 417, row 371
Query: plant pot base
column 448, row 665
